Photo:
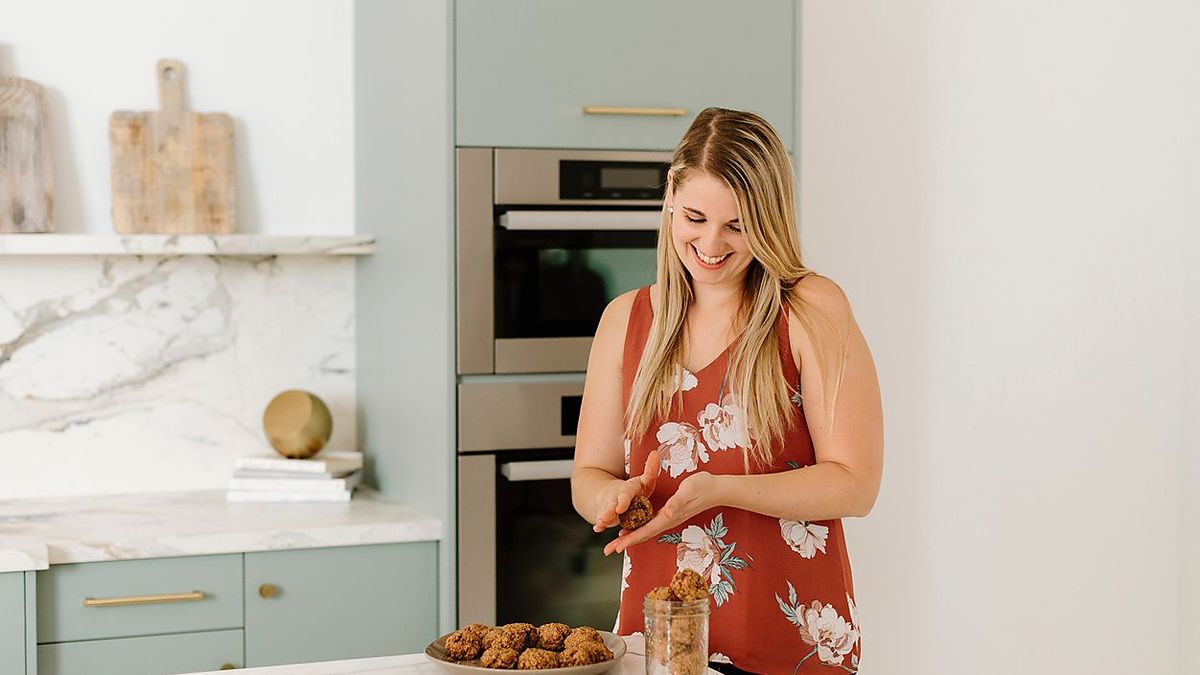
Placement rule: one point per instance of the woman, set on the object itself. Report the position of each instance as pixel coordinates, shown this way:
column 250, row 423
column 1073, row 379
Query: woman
column 742, row 377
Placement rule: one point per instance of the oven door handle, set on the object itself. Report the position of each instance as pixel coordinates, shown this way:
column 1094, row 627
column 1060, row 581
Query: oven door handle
column 581, row 220
column 554, row 469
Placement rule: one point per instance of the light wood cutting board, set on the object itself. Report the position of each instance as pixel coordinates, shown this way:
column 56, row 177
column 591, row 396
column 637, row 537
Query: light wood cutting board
column 172, row 170
column 26, row 179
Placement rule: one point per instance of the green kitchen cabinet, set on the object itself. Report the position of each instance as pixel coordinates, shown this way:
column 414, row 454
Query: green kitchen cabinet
column 150, row 655
column 128, row 598
column 525, row 70
column 339, row 603
column 16, row 631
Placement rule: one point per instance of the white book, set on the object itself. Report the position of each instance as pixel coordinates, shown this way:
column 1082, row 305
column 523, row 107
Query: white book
column 327, row 462
column 289, row 475
column 296, row 484
column 287, row 496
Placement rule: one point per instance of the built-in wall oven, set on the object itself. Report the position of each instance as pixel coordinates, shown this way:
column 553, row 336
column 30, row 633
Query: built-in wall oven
column 545, row 239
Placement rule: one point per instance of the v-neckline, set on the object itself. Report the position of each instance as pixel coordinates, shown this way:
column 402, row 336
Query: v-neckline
column 720, row 355
column 724, row 352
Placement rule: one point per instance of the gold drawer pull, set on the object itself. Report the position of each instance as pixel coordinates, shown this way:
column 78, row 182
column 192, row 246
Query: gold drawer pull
column 142, row 599
column 268, row 591
column 621, row 110
column 228, row 666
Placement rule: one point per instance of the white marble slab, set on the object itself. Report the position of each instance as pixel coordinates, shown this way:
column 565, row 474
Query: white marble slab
column 184, row 244
column 128, row 374
column 35, row 533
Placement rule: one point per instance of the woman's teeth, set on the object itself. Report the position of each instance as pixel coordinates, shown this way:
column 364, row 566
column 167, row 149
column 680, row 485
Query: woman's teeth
column 707, row 259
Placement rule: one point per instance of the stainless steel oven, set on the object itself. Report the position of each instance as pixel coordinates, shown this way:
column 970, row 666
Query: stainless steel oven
column 523, row 552
column 545, row 238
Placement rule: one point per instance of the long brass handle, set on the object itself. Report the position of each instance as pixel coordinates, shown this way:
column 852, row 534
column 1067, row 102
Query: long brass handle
column 143, row 599
column 622, row 110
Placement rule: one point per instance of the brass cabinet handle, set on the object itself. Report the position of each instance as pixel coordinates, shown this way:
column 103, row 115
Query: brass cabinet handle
column 227, row 666
column 268, row 591
column 623, row 110
column 142, row 599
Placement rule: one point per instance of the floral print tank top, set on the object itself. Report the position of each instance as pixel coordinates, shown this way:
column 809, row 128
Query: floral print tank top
column 782, row 593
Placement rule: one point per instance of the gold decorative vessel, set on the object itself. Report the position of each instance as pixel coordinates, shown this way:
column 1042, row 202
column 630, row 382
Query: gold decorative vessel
column 298, row 424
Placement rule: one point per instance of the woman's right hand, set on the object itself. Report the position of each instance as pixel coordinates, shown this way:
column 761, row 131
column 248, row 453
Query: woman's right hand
column 615, row 499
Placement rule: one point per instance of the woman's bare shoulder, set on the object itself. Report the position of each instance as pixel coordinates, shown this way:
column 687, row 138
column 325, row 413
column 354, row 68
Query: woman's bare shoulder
column 826, row 296
column 610, row 334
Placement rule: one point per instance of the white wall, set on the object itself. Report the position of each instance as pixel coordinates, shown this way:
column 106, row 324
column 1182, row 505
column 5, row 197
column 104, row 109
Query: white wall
column 282, row 69
column 1003, row 189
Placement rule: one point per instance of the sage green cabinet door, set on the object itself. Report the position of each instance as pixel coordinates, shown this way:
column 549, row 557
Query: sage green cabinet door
column 338, row 603
column 126, row 598
column 525, row 69
column 154, row 655
column 12, row 622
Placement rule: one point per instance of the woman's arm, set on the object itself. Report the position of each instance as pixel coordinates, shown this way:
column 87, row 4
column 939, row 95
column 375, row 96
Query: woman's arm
column 849, row 453
column 845, row 479
column 599, row 490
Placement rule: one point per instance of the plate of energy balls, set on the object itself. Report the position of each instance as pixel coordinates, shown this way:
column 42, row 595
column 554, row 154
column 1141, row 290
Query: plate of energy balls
column 524, row 646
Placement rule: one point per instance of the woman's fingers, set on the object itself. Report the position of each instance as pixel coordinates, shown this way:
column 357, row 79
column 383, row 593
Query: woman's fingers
column 650, row 474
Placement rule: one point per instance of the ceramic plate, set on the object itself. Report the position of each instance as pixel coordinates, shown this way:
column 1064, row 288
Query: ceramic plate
column 436, row 652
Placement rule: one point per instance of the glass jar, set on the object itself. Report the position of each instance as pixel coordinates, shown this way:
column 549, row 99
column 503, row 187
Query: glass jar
column 676, row 636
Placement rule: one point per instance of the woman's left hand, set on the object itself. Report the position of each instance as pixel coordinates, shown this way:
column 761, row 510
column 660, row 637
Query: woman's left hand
column 695, row 494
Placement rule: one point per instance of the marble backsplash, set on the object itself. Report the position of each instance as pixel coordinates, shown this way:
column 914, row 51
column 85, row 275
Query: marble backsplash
column 126, row 374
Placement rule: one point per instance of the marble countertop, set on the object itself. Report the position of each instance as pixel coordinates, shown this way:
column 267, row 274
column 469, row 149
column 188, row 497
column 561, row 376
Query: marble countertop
column 36, row 533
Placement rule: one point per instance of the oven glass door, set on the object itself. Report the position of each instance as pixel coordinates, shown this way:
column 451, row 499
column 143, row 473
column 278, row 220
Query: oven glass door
column 550, row 564
column 552, row 283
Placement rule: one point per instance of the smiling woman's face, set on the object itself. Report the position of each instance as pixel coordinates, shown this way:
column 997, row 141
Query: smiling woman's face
column 706, row 232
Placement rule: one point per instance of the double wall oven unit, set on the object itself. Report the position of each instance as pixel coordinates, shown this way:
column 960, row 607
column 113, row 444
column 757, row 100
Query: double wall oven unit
column 545, row 239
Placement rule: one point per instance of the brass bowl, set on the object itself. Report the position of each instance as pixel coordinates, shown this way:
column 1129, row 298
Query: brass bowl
column 298, row 424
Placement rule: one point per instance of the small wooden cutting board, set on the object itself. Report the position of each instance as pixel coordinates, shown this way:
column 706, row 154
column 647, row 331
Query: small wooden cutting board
column 172, row 170
column 26, row 179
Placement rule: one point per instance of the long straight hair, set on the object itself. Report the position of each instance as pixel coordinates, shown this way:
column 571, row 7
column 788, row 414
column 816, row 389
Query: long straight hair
column 741, row 150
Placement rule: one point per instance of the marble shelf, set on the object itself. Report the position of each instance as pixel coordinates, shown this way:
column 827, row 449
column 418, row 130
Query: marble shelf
column 52, row 244
column 36, row 533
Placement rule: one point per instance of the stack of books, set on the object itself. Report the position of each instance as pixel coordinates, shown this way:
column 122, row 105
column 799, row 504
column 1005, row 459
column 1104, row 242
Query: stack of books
column 329, row 477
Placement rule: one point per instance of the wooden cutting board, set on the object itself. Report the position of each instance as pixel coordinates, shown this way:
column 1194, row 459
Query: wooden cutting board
column 26, row 179
column 172, row 170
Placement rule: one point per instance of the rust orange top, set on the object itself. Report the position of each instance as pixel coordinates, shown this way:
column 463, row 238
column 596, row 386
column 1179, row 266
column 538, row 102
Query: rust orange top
column 782, row 592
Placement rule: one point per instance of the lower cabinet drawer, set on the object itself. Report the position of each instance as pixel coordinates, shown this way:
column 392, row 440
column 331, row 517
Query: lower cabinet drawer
column 127, row 598
column 154, row 655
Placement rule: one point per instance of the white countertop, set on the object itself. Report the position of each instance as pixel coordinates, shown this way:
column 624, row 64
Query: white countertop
column 36, row 533
column 412, row 664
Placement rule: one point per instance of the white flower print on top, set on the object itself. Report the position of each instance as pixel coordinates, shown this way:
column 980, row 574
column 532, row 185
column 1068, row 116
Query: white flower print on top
column 822, row 628
column 699, row 552
column 804, row 537
column 626, row 568
column 685, row 380
column 704, row 551
column 718, row 657
column 724, row 425
column 628, row 450
column 681, row 449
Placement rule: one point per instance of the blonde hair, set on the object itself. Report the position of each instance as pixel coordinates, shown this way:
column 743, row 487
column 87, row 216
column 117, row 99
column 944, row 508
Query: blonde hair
column 741, row 150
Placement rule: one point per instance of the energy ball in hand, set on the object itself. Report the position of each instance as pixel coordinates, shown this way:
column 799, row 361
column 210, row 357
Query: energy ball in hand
column 639, row 513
